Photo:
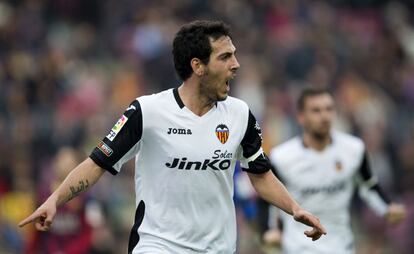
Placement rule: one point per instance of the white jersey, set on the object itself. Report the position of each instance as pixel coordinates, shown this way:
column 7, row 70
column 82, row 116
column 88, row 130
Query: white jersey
column 184, row 171
column 323, row 182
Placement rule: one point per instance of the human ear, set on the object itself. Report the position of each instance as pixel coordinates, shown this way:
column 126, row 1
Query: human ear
column 197, row 66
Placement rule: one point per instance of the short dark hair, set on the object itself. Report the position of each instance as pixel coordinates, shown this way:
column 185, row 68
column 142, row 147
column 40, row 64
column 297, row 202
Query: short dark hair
column 192, row 41
column 310, row 92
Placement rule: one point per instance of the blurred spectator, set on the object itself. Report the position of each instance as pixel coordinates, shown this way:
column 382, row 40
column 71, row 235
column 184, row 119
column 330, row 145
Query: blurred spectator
column 80, row 225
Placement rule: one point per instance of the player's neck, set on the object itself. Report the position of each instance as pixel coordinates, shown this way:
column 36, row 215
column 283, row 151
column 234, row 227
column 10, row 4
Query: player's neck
column 316, row 143
column 193, row 99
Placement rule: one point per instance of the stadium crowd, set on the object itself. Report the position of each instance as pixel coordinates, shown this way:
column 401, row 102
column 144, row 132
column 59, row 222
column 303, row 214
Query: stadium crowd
column 69, row 68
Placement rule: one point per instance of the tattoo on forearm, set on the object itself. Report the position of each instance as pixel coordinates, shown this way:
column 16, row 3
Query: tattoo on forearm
column 74, row 191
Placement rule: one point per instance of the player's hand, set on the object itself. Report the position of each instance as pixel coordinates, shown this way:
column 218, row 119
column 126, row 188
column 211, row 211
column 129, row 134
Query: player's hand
column 396, row 213
column 272, row 237
column 42, row 217
column 309, row 219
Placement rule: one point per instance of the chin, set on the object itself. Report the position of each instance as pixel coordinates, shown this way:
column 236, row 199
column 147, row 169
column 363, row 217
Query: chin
column 222, row 97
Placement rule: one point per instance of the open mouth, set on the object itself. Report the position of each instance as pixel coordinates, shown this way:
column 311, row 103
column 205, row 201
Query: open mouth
column 228, row 81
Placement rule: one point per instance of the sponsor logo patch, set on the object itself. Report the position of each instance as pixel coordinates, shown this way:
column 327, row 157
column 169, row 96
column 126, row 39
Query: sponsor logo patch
column 222, row 133
column 221, row 160
column 105, row 149
column 117, row 127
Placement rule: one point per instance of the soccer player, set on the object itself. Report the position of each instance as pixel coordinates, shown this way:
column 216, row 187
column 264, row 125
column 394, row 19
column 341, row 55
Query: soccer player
column 322, row 169
column 186, row 142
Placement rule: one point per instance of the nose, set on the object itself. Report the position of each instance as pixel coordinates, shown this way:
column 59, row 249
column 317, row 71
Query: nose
column 235, row 64
column 327, row 116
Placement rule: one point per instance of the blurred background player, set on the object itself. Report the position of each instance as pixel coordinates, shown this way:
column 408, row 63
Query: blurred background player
column 322, row 168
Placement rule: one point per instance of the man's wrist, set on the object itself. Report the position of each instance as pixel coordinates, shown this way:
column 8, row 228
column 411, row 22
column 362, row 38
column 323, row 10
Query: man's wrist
column 295, row 208
column 53, row 199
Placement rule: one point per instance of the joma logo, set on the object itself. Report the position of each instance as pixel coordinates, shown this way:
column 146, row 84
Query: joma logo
column 179, row 131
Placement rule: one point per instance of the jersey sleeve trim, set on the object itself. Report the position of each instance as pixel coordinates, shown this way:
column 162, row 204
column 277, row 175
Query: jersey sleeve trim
column 102, row 164
column 259, row 166
column 254, row 156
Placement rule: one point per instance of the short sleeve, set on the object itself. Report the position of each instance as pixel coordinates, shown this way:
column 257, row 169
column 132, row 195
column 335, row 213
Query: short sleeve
column 253, row 159
column 122, row 142
column 369, row 181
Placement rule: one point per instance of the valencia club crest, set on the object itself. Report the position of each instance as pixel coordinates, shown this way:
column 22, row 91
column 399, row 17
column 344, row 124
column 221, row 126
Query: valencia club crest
column 338, row 166
column 222, row 133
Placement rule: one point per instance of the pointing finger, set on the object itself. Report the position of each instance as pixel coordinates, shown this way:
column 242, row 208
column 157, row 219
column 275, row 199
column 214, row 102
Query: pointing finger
column 29, row 219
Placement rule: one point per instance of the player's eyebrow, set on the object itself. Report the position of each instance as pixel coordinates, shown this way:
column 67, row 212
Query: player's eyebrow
column 226, row 54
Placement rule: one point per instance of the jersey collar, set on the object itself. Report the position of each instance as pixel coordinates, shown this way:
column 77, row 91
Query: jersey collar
column 307, row 147
column 177, row 98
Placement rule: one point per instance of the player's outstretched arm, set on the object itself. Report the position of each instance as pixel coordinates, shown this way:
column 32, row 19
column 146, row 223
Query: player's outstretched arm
column 371, row 192
column 78, row 180
column 274, row 192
